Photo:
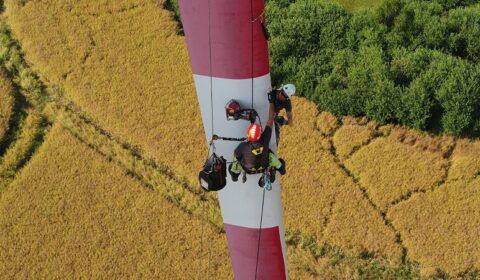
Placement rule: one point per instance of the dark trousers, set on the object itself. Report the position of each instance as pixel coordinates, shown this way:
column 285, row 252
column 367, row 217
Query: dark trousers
column 277, row 131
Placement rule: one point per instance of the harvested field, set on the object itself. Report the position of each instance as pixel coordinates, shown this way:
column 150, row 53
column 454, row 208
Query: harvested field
column 73, row 225
column 6, row 104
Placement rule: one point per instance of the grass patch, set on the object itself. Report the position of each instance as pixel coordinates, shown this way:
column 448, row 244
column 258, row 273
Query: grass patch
column 27, row 142
column 318, row 190
column 352, row 135
column 465, row 161
column 151, row 173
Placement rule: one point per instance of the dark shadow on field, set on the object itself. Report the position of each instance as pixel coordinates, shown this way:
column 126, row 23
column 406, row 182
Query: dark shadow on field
column 19, row 113
column 37, row 142
column 172, row 5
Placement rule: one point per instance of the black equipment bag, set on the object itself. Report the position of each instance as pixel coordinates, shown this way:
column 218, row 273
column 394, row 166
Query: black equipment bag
column 213, row 176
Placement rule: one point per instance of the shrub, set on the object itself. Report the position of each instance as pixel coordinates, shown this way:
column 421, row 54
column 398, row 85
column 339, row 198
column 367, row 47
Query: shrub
column 406, row 66
column 463, row 27
column 310, row 29
column 458, row 97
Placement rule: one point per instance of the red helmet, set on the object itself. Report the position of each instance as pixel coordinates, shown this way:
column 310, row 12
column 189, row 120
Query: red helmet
column 254, row 132
column 232, row 109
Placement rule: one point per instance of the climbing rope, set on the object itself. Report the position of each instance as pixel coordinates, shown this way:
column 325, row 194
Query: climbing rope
column 259, row 234
column 252, row 20
column 201, row 244
column 252, row 37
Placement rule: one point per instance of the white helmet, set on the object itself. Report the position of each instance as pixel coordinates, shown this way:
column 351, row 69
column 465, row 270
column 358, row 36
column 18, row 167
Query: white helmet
column 289, row 89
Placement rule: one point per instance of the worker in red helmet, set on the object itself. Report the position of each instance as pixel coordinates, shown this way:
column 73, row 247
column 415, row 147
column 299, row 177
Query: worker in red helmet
column 254, row 155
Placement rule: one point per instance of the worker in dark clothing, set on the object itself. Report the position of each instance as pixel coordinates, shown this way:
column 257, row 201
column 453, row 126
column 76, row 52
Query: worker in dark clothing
column 254, row 156
column 280, row 98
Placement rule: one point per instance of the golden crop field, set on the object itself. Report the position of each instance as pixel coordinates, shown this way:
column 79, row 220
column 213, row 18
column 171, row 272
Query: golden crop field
column 316, row 189
column 72, row 214
column 6, row 103
column 385, row 169
column 441, row 228
column 465, row 161
column 372, row 192
column 352, row 136
column 123, row 63
column 15, row 154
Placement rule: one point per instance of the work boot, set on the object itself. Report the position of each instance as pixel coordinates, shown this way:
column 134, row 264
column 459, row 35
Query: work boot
column 272, row 173
column 261, row 181
column 283, row 168
column 233, row 174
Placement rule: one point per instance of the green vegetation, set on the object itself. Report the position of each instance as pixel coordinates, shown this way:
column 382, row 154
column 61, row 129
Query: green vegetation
column 410, row 62
column 353, row 5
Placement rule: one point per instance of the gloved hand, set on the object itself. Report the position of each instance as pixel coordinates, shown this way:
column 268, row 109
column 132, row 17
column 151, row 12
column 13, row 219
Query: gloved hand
column 252, row 116
column 281, row 120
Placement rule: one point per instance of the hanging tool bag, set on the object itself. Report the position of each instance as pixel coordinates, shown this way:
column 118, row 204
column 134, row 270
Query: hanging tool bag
column 213, row 176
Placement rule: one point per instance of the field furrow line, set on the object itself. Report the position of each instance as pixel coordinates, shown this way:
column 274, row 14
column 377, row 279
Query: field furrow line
column 29, row 123
column 151, row 174
column 387, row 222
column 16, row 120
column 438, row 184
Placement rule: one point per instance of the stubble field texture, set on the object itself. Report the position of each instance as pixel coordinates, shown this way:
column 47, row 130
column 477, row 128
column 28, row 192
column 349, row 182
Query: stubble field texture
column 360, row 200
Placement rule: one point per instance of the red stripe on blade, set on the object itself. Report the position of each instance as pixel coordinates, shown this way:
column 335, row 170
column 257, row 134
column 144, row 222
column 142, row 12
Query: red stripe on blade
column 231, row 37
column 243, row 245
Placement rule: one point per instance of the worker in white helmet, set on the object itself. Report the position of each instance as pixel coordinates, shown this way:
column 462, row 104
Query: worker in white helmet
column 281, row 99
